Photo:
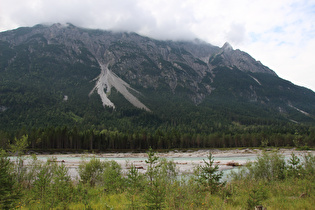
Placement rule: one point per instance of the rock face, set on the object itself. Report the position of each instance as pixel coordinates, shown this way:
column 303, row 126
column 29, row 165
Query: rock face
column 67, row 60
column 239, row 59
column 107, row 80
column 141, row 60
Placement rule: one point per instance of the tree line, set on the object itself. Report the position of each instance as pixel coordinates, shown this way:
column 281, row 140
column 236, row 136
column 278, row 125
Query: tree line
column 68, row 138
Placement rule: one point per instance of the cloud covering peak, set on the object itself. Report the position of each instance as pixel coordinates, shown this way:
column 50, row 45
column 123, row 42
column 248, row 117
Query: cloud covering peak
column 279, row 33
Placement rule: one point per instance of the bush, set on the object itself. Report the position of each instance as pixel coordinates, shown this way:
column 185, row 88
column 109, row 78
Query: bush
column 42, row 183
column 208, row 175
column 91, row 172
column 8, row 190
column 155, row 190
column 135, row 183
column 268, row 167
column 309, row 165
column 160, row 173
column 112, row 176
column 52, row 184
column 62, row 188
column 256, row 196
column 12, row 174
column 294, row 167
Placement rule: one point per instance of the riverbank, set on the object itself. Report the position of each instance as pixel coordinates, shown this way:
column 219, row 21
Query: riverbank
column 185, row 161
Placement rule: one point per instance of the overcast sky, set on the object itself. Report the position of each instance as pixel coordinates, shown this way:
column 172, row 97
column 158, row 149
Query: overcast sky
column 281, row 34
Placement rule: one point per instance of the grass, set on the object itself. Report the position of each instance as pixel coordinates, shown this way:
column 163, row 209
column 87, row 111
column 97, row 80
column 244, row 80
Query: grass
column 280, row 195
column 271, row 190
column 287, row 194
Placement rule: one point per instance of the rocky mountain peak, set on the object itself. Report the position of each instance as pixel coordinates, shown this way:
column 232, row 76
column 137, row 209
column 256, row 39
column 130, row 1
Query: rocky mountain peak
column 228, row 57
column 227, row 47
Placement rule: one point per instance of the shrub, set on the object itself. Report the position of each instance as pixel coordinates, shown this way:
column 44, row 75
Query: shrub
column 160, row 173
column 208, row 175
column 256, row 196
column 309, row 165
column 268, row 167
column 18, row 149
column 62, row 188
column 135, row 183
column 112, row 176
column 91, row 172
column 42, row 185
column 294, row 167
column 8, row 191
column 168, row 169
column 134, row 179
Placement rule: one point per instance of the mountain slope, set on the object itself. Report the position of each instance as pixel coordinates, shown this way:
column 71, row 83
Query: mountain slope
column 65, row 75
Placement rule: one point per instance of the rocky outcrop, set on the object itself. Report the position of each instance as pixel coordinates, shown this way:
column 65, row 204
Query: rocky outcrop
column 238, row 59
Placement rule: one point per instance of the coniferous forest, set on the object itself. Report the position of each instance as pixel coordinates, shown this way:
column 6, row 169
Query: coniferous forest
column 183, row 125
column 75, row 139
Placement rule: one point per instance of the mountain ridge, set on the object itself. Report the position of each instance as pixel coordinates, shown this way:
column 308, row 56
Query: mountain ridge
column 162, row 77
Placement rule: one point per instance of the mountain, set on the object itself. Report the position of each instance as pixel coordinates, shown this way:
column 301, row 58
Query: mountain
column 59, row 75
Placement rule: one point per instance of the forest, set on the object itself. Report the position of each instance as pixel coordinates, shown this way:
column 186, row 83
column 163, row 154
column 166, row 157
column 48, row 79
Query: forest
column 139, row 138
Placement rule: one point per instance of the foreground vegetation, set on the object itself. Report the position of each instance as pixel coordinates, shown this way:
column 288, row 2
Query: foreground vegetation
column 270, row 181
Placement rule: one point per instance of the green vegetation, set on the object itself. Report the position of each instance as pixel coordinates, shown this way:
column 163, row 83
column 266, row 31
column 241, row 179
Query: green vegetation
column 168, row 137
column 222, row 120
column 270, row 181
column 8, row 191
column 208, row 176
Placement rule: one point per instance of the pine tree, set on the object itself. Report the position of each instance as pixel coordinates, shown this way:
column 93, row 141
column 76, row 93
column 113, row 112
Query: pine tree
column 8, row 191
column 208, row 175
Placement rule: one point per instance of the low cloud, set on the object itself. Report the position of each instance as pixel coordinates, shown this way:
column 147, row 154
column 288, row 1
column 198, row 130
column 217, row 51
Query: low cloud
column 236, row 34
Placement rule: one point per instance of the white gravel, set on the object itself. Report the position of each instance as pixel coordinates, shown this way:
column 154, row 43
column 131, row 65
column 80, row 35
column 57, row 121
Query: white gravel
column 185, row 161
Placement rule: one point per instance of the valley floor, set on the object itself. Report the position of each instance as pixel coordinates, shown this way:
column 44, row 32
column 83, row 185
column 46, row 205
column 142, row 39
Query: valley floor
column 185, row 161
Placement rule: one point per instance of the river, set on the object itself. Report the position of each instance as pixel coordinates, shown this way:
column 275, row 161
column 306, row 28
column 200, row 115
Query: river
column 185, row 162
